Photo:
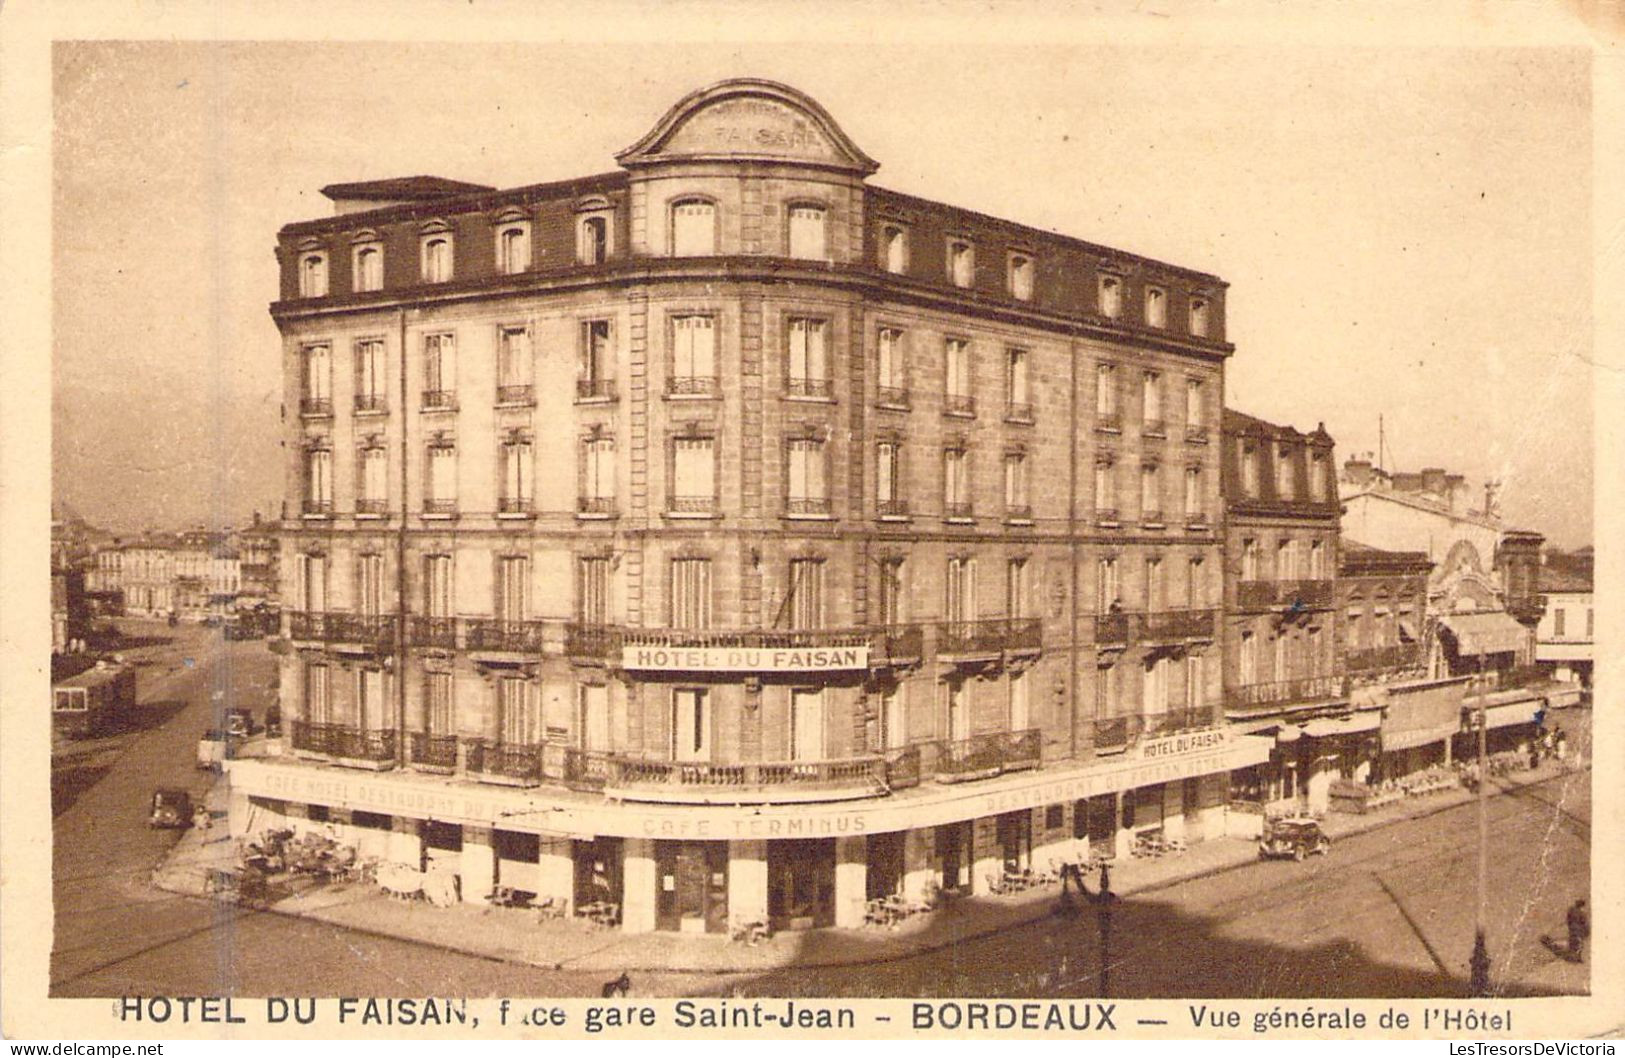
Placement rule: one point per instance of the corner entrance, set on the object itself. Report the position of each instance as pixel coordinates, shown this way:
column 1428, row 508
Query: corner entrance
column 801, row 883
column 692, row 893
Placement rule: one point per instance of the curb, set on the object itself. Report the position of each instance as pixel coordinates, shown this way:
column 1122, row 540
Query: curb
column 1042, row 909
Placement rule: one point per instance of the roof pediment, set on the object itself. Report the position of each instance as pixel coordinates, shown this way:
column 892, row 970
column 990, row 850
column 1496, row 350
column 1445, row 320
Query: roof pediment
column 748, row 119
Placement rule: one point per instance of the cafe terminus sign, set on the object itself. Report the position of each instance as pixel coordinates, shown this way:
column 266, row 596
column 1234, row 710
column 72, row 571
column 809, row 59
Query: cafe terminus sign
column 746, row 659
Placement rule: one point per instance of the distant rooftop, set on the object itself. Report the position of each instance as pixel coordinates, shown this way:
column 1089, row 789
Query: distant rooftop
column 402, row 189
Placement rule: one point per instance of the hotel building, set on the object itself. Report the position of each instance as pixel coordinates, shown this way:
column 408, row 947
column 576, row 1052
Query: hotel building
column 726, row 538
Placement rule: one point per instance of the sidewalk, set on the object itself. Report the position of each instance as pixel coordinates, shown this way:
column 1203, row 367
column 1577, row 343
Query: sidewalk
column 523, row 937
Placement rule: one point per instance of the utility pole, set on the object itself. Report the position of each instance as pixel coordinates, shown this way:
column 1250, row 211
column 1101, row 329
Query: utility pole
column 1480, row 962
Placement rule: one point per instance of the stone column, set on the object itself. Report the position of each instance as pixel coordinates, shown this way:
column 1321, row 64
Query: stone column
column 1122, row 837
column 1215, row 792
column 638, row 871
column 919, row 868
column 479, row 865
column 556, row 872
column 1173, row 810
column 406, row 842
column 851, row 881
column 747, row 881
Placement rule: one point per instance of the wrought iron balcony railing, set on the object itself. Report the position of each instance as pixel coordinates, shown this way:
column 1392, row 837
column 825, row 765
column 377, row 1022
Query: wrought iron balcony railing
column 516, row 395
column 432, row 751
column 692, row 386
column 1315, row 594
column 1107, row 516
column 502, row 762
column 1152, row 517
column 1174, row 721
column 1154, row 428
column 317, row 508
column 962, row 404
column 1018, row 512
column 983, row 756
column 994, row 635
column 1019, row 411
column 816, row 388
column 373, row 629
column 371, row 507
column 893, row 508
column 495, row 634
column 1196, row 433
column 1380, row 659
column 1109, row 422
column 600, row 506
column 692, row 505
column 439, row 400
column 892, row 396
column 514, row 505
column 1176, row 624
column 864, row 776
column 315, row 406
column 807, row 506
column 957, row 511
column 435, row 632
column 595, row 389
column 442, row 508
column 343, row 741
column 371, row 404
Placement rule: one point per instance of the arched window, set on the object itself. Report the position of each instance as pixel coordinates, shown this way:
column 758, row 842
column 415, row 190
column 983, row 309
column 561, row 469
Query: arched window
column 693, row 228
column 961, row 262
column 1021, row 277
column 369, row 267
column 592, row 240
column 437, row 262
column 513, row 249
column 313, row 275
column 894, row 248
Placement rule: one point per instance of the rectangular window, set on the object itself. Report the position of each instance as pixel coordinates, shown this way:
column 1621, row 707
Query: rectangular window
column 1110, row 296
column 959, row 381
column 369, row 585
column 1016, row 503
column 437, row 598
column 370, row 382
column 1559, row 621
column 889, row 602
column 1015, row 588
column 1020, row 719
column 691, row 593
column 1249, row 470
column 693, row 229
column 893, row 379
column 313, row 583
column 894, row 249
column 369, row 268
column 1155, row 599
column 1151, row 403
column 1106, row 393
column 1194, row 417
column 598, row 475
column 513, row 249
column 1021, row 277
column 1319, row 479
column 516, row 712
column 317, row 380
column 313, row 276
column 806, row 724
column 693, row 353
column 1195, row 681
column 808, row 490
column 804, row 602
column 317, row 703
column 956, row 484
column 442, row 493
column 961, row 262
column 593, row 380
column 1317, row 560
column 437, row 703
column 1151, row 493
column 1017, row 387
column 1195, row 593
column 1105, row 491
column 1286, row 561
column 1156, row 307
column 807, row 232
column 958, row 711
column 1108, row 595
column 691, row 724
column 1284, row 477
column 593, row 722
column 1249, row 559
column 513, row 588
column 439, row 370
column 513, row 365
column 1193, row 494
column 592, row 597
column 887, row 476
column 369, row 698
column 592, row 240
column 893, row 717
column 318, row 481
column 961, row 601
column 1590, row 624
column 516, row 476
column 694, row 474
column 1199, row 314
column 1247, row 661
column 1155, row 685
column 808, row 362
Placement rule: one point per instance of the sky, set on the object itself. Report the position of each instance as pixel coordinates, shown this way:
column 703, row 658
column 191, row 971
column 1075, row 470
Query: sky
column 1406, row 231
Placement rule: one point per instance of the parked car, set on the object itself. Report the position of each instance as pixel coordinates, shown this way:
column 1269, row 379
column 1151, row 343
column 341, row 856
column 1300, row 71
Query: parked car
column 213, row 749
column 1294, row 838
column 273, row 721
column 171, row 809
column 239, row 722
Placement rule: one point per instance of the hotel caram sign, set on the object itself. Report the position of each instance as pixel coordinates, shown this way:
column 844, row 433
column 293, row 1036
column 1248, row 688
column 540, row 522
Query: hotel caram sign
column 746, row 659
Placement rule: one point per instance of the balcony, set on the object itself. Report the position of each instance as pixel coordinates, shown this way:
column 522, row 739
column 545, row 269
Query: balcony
column 1109, row 422
column 505, row 764
column 432, row 752
column 494, row 635
column 1255, row 696
column 1154, row 428
column 984, row 756
column 1107, row 517
column 692, row 506
column 371, row 508
column 1152, row 520
column 1298, row 594
column 892, row 397
column 594, row 642
column 691, row 386
column 317, row 508
column 1163, row 625
column 595, row 506
column 957, row 512
column 1385, row 659
column 1196, row 434
column 960, row 404
column 807, row 507
column 634, row 778
column 439, row 400
column 315, row 407
column 1019, row 411
column 371, row 404
column 750, row 649
column 435, row 632
column 440, row 508
column 1114, row 734
column 895, row 644
column 989, row 638
column 891, row 510
column 375, row 630
column 515, row 507
column 810, row 388
column 1114, row 629
column 516, row 396
column 1176, row 721
column 1019, row 513
column 595, row 389
column 345, row 745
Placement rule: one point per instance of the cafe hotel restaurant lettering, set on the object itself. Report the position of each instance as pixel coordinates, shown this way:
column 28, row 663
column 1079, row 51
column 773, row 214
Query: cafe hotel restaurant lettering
column 726, row 538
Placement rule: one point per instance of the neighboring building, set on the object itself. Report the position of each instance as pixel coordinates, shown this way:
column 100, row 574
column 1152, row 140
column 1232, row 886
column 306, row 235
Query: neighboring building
column 70, row 610
column 1280, row 648
column 772, row 541
column 190, row 575
column 258, row 553
column 1565, row 638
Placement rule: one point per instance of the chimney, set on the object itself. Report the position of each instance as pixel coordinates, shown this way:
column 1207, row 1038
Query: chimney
column 1357, row 471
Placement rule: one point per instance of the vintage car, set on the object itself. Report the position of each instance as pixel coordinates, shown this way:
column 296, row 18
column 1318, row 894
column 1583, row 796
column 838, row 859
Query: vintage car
column 1293, row 838
column 171, row 809
column 273, row 721
column 213, row 749
column 239, row 722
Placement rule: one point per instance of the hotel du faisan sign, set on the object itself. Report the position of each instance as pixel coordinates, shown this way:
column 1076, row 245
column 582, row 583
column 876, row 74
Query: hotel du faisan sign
column 745, row 659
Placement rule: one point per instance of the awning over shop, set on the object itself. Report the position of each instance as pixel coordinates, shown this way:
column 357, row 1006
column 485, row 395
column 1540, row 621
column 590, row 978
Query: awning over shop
column 1393, row 741
column 1513, row 713
column 1366, row 720
column 1485, row 633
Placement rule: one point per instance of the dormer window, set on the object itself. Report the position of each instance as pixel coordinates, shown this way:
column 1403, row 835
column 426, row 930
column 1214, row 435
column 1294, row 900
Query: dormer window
column 894, row 249
column 313, row 274
column 807, row 232
column 1284, row 473
column 1156, row 307
column 1110, row 296
column 1021, row 277
column 592, row 239
column 693, row 228
column 513, row 247
column 1199, row 315
column 436, row 253
column 367, row 266
column 961, row 262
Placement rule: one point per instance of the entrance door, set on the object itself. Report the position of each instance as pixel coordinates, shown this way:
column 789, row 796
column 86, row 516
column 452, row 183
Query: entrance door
column 801, row 883
column 443, row 846
column 598, row 871
column 885, row 874
column 1015, row 833
column 954, row 855
column 1102, row 826
column 1191, row 803
column 693, row 894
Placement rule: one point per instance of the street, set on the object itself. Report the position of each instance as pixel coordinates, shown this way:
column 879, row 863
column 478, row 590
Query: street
column 1386, row 913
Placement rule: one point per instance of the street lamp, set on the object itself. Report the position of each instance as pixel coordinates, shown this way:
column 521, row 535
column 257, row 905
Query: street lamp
column 1479, row 964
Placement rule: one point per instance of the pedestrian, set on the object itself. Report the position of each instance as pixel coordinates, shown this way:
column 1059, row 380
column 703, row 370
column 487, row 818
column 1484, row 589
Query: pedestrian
column 1579, row 923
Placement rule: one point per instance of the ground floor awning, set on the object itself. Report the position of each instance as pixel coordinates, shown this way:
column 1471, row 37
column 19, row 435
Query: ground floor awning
column 567, row 813
column 1485, row 633
column 1512, row 713
column 1353, row 724
column 1394, row 741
